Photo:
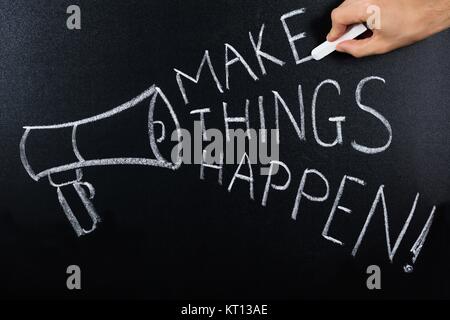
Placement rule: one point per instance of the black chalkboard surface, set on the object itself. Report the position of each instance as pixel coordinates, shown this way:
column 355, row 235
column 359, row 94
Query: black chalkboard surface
column 86, row 122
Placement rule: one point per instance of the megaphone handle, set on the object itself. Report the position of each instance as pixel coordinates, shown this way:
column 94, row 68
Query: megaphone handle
column 87, row 204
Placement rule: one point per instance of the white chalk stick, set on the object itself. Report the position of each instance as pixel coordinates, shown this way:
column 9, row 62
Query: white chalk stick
column 328, row 47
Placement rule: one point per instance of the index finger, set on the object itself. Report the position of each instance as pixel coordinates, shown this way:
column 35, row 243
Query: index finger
column 343, row 16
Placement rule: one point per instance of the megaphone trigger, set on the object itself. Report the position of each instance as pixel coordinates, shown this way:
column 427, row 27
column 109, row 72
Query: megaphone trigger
column 85, row 199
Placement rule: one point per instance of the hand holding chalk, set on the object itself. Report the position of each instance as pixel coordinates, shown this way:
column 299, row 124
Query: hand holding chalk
column 394, row 24
column 328, row 47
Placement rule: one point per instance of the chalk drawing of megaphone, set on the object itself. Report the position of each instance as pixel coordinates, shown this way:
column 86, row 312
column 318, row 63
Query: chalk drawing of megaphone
column 83, row 189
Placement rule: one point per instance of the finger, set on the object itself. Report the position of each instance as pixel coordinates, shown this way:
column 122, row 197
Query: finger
column 343, row 16
column 360, row 48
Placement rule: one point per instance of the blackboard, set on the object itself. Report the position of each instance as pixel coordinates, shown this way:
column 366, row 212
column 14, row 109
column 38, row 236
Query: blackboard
column 165, row 233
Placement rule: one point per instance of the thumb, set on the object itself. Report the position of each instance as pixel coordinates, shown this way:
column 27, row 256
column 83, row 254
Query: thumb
column 359, row 48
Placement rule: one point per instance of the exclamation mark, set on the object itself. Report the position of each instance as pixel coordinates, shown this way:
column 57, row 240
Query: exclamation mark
column 417, row 247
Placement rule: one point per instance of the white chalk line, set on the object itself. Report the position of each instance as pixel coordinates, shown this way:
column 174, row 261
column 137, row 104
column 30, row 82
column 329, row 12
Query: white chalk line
column 147, row 93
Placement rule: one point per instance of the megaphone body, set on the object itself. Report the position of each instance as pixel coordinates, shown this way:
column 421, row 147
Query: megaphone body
column 83, row 189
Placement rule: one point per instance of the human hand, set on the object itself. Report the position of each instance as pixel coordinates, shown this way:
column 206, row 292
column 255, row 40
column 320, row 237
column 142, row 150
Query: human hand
column 399, row 23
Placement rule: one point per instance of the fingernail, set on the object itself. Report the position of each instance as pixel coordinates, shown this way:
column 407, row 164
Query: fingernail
column 329, row 36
